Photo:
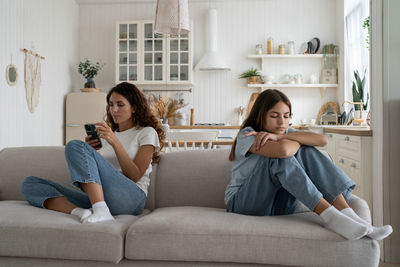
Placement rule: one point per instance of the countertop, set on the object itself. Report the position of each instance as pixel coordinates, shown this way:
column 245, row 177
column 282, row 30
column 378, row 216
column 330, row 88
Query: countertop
column 339, row 129
column 204, row 127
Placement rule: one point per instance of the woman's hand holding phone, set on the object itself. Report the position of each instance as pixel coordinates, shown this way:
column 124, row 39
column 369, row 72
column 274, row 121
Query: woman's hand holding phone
column 92, row 137
column 95, row 143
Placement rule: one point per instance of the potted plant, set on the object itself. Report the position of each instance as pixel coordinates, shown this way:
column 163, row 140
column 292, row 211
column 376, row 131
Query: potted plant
column 252, row 75
column 358, row 89
column 89, row 71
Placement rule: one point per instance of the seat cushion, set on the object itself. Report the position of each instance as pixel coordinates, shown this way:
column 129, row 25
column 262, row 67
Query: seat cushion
column 212, row 234
column 27, row 231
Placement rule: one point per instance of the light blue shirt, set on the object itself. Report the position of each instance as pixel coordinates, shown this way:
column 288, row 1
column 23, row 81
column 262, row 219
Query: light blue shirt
column 244, row 165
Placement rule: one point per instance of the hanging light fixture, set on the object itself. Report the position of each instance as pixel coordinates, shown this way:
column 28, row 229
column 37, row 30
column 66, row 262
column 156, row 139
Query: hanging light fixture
column 172, row 17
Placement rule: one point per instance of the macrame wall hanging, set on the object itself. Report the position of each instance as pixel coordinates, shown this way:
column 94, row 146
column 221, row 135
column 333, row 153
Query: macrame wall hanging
column 33, row 78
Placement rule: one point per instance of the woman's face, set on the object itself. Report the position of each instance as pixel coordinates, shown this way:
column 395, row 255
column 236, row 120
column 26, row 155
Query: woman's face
column 120, row 109
column 277, row 118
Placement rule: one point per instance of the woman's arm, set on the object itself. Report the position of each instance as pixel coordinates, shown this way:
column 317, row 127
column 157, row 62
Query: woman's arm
column 306, row 138
column 134, row 169
column 270, row 145
column 277, row 149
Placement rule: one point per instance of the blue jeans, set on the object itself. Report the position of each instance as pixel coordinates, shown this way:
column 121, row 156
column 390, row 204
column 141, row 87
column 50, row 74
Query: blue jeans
column 121, row 194
column 278, row 184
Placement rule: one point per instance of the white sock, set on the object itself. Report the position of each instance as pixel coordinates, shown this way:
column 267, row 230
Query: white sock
column 341, row 224
column 81, row 213
column 101, row 213
column 377, row 233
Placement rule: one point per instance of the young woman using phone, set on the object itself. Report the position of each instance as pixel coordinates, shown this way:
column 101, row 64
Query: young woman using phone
column 275, row 167
column 114, row 179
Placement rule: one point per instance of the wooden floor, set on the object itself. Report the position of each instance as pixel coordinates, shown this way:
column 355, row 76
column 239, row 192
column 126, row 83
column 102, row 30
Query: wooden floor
column 387, row 264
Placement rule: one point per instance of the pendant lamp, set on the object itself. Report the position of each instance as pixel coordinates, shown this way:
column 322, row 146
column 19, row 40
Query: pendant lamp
column 172, row 17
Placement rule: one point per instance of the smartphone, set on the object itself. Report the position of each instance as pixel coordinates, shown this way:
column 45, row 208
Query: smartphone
column 90, row 129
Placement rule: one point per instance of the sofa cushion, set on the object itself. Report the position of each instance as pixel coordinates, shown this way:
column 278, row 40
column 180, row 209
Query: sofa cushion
column 193, row 178
column 211, row 234
column 27, row 231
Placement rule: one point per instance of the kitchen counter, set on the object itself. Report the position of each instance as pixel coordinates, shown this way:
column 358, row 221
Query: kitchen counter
column 339, row 129
column 187, row 127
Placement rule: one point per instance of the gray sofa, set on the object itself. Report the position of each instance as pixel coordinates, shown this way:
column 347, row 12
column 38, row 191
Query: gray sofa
column 185, row 222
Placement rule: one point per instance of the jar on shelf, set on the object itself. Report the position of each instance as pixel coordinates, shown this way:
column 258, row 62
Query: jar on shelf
column 259, row 50
column 282, row 49
column 290, row 46
column 270, row 45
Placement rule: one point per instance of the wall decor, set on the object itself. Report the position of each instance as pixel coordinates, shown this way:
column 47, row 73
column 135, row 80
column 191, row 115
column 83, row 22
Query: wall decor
column 11, row 74
column 33, row 78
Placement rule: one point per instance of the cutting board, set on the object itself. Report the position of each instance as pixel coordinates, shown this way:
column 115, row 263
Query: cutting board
column 253, row 98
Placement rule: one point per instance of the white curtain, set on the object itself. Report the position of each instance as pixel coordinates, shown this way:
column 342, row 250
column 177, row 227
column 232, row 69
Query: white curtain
column 356, row 51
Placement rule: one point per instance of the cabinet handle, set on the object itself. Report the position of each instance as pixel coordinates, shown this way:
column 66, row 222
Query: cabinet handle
column 330, row 135
column 341, row 161
column 346, row 138
column 353, row 165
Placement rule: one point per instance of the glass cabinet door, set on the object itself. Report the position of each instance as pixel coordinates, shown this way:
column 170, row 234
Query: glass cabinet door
column 127, row 52
column 143, row 57
column 153, row 54
column 179, row 59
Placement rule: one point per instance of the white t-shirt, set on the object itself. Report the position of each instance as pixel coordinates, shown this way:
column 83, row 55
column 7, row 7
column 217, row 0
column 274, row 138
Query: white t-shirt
column 131, row 140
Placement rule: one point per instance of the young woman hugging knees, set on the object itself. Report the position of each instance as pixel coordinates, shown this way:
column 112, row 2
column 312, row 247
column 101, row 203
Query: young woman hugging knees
column 275, row 167
column 114, row 178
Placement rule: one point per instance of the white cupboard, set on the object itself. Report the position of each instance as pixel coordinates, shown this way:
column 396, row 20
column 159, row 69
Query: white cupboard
column 143, row 57
column 83, row 108
column 353, row 154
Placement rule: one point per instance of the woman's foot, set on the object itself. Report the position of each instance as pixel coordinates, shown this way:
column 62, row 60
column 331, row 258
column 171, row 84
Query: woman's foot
column 377, row 233
column 343, row 225
column 101, row 213
column 81, row 213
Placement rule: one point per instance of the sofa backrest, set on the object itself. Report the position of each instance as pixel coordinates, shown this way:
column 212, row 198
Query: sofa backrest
column 20, row 162
column 192, row 178
column 185, row 178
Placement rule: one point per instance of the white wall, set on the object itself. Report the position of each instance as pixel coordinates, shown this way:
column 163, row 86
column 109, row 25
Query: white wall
column 241, row 25
column 52, row 27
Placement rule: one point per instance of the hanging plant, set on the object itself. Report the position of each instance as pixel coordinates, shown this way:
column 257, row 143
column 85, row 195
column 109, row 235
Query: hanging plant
column 366, row 25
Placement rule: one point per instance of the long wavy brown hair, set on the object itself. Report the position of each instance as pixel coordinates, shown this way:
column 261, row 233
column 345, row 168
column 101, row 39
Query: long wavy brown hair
column 256, row 119
column 143, row 117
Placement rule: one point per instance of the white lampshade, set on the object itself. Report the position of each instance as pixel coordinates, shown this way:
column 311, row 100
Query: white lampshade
column 172, row 17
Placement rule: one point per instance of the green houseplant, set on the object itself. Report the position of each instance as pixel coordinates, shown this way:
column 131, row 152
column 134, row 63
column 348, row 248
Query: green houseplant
column 89, row 71
column 358, row 89
column 252, row 75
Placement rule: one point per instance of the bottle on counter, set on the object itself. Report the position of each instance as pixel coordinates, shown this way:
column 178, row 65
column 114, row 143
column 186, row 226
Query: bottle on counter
column 191, row 116
column 270, row 46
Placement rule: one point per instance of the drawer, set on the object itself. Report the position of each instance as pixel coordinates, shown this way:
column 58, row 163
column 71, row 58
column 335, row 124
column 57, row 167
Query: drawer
column 349, row 142
column 354, row 155
column 351, row 168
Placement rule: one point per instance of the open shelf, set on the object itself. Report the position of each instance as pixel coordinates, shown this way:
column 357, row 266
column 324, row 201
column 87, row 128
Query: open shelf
column 285, row 56
column 286, row 85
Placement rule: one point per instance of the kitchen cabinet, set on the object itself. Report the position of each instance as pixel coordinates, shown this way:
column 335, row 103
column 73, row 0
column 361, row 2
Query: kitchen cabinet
column 280, row 65
column 353, row 154
column 143, row 57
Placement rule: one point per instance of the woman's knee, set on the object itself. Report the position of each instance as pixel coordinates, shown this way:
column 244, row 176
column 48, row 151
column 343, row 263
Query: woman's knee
column 74, row 146
column 29, row 184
